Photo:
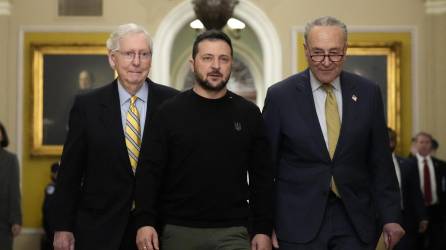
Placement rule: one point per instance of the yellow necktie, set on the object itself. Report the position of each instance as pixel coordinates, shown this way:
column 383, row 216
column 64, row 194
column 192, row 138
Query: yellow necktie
column 133, row 133
column 333, row 126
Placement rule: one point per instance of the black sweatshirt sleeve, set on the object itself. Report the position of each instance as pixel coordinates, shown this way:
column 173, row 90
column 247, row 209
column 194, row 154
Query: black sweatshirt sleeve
column 260, row 179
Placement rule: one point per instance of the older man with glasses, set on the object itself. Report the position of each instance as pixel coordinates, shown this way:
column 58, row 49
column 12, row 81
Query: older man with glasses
column 334, row 173
column 94, row 202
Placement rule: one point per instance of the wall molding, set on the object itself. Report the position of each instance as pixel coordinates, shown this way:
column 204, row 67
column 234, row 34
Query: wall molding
column 435, row 7
column 5, row 8
column 32, row 231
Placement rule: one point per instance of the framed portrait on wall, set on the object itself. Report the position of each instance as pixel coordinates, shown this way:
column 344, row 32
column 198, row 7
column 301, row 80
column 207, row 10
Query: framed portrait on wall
column 379, row 62
column 59, row 73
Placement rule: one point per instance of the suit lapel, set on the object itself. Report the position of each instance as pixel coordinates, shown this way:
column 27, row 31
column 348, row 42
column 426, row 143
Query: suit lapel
column 111, row 116
column 306, row 103
column 349, row 111
column 153, row 101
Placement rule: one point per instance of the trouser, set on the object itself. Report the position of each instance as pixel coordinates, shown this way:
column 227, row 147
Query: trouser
column 175, row 237
column 336, row 232
column 5, row 239
column 129, row 240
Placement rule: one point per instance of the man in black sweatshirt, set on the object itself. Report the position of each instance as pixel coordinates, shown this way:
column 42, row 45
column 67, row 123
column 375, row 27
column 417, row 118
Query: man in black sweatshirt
column 194, row 183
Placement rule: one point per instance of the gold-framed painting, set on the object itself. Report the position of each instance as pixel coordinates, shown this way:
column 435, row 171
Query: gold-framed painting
column 380, row 62
column 59, row 73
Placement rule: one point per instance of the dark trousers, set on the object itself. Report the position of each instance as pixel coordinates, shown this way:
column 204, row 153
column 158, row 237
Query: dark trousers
column 336, row 232
column 175, row 237
column 129, row 240
column 6, row 239
column 46, row 243
column 435, row 236
column 410, row 239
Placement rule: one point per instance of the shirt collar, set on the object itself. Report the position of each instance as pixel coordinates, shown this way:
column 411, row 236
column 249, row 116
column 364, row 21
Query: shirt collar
column 316, row 84
column 124, row 96
column 421, row 158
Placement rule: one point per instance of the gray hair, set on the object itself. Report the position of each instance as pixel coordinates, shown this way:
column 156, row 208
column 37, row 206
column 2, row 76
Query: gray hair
column 325, row 21
column 124, row 29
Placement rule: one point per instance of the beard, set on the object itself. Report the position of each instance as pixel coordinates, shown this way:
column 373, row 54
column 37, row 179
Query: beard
column 205, row 84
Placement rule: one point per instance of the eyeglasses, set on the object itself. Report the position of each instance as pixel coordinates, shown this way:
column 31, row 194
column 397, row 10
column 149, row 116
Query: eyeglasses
column 131, row 55
column 331, row 57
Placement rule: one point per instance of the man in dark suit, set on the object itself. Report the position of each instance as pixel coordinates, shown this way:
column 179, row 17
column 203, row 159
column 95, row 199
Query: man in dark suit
column 412, row 203
column 334, row 171
column 10, row 198
column 93, row 207
column 432, row 174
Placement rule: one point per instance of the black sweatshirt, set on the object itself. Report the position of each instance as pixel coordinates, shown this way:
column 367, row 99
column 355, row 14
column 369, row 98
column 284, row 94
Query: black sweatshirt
column 195, row 170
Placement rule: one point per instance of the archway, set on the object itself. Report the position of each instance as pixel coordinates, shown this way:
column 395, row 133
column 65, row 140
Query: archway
column 247, row 11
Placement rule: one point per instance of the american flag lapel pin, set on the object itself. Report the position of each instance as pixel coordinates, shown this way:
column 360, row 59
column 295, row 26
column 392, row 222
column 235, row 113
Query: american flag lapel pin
column 354, row 98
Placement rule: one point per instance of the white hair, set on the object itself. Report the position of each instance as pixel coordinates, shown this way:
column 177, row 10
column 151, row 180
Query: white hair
column 124, row 29
column 325, row 21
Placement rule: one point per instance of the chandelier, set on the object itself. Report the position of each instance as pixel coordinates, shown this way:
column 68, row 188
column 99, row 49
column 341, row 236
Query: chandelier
column 215, row 14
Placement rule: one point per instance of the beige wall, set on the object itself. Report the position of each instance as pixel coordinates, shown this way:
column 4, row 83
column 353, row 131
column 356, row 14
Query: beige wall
column 433, row 87
column 429, row 57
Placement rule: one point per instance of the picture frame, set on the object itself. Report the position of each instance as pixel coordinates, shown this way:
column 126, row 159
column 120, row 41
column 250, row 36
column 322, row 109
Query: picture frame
column 58, row 73
column 380, row 63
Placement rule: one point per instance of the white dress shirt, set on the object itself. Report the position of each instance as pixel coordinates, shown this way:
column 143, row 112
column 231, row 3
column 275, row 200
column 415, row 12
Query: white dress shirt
column 430, row 165
column 398, row 176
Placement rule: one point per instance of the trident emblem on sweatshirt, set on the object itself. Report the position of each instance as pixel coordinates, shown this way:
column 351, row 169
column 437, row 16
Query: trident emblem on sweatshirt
column 238, row 126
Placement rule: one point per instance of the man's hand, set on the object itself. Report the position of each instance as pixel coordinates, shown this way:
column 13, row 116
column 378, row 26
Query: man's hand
column 392, row 233
column 15, row 229
column 261, row 242
column 423, row 226
column 63, row 240
column 147, row 238
column 274, row 240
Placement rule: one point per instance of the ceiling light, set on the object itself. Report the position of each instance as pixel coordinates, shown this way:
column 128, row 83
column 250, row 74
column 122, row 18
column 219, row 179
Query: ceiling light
column 196, row 24
column 235, row 24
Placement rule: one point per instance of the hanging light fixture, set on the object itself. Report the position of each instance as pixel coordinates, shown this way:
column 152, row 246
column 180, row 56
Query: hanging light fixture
column 215, row 14
column 235, row 24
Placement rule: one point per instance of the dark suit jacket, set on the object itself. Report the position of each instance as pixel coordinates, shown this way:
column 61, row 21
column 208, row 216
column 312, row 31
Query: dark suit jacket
column 413, row 202
column 436, row 213
column 94, row 189
column 10, row 210
column 440, row 175
column 362, row 164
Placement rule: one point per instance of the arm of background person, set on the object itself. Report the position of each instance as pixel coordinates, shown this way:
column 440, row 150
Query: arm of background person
column 15, row 210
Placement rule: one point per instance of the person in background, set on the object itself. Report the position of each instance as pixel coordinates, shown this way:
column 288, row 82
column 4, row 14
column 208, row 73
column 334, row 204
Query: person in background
column 10, row 198
column 435, row 146
column 48, row 200
column 413, row 148
column 432, row 176
column 412, row 203
column 330, row 147
column 94, row 199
